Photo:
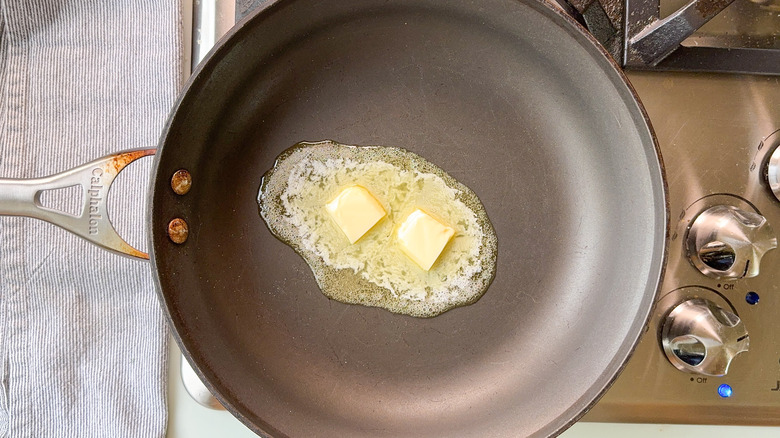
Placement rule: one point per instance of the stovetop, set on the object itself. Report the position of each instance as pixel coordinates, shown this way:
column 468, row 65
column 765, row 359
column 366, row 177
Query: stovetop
column 716, row 133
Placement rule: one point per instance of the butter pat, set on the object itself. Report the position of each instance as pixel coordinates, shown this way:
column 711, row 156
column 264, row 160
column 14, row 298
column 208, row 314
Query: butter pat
column 355, row 211
column 422, row 238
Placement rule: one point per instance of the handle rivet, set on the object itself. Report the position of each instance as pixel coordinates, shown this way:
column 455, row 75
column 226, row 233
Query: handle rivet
column 178, row 231
column 181, row 182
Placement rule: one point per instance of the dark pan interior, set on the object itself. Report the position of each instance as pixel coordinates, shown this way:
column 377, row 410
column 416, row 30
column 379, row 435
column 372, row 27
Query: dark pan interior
column 510, row 99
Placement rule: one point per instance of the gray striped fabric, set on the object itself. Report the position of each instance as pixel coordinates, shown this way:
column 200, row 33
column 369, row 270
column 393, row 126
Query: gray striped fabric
column 83, row 343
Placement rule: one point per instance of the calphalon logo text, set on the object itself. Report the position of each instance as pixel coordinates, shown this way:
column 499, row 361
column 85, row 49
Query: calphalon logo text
column 94, row 200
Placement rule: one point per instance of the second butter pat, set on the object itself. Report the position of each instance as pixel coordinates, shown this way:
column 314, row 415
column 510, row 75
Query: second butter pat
column 422, row 238
column 355, row 211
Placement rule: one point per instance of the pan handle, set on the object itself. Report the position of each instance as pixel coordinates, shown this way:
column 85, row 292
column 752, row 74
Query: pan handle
column 21, row 197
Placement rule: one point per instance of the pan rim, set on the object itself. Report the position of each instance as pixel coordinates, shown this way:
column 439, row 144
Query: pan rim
column 556, row 14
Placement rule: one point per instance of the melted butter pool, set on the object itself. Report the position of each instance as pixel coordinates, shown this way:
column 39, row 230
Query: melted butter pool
column 374, row 271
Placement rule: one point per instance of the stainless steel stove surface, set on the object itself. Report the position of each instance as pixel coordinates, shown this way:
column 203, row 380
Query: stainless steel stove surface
column 711, row 354
column 716, row 134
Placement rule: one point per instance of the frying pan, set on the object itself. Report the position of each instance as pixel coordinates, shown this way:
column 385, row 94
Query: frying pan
column 511, row 98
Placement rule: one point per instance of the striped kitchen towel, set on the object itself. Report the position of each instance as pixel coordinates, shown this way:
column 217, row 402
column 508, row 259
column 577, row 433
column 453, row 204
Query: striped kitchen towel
column 83, row 341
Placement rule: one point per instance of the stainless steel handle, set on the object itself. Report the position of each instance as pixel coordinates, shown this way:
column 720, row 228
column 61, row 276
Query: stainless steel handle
column 21, row 197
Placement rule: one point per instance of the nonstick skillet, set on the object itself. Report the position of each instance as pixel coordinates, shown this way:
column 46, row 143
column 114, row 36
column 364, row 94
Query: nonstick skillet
column 511, row 98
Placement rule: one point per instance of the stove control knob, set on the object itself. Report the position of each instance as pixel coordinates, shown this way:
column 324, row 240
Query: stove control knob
column 700, row 337
column 773, row 172
column 728, row 243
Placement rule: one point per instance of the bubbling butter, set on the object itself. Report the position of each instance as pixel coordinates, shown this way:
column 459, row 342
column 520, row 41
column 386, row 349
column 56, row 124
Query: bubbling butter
column 374, row 270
